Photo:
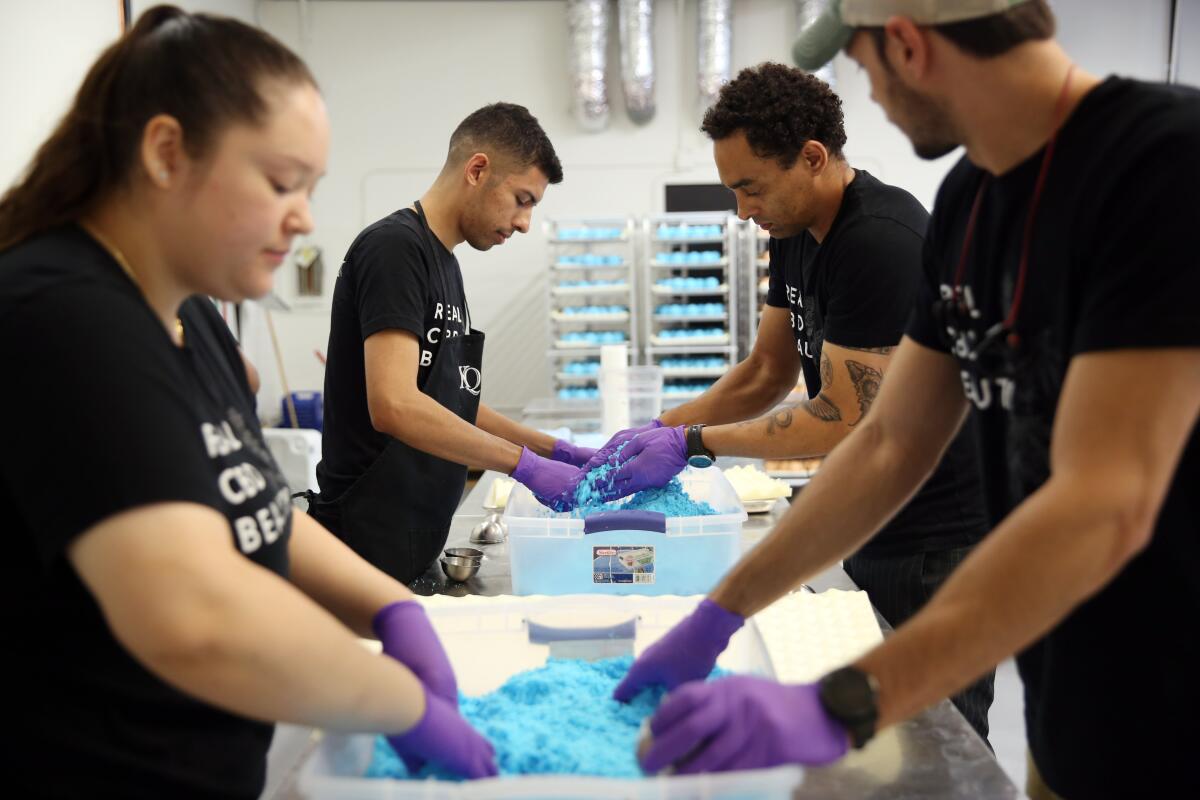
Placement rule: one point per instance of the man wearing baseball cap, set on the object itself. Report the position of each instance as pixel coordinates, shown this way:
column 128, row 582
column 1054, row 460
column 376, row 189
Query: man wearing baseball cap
column 1060, row 302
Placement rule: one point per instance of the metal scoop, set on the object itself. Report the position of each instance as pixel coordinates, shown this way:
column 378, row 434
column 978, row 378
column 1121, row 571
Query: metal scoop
column 491, row 531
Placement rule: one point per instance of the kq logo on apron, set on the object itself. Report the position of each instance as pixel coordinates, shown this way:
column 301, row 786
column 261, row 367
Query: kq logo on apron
column 469, row 379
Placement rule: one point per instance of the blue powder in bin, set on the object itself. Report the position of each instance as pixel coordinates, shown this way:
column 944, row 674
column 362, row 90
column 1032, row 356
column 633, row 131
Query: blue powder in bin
column 559, row 719
column 670, row 499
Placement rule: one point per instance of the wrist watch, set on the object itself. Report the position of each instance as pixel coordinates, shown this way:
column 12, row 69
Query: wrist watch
column 697, row 454
column 850, row 696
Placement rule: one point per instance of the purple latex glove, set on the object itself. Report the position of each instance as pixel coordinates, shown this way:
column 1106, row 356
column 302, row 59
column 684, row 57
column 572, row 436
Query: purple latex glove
column 552, row 482
column 688, row 652
column 619, row 438
column 407, row 636
column 742, row 723
column 648, row 461
column 573, row 454
column 444, row 737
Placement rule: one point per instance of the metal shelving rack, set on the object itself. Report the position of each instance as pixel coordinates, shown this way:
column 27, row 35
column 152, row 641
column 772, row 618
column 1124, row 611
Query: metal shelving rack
column 709, row 253
column 589, row 269
column 755, row 261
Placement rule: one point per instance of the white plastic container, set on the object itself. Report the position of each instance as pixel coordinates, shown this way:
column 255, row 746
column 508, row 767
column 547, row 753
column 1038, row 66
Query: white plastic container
column 488, row 640
column 625, row 552
column 297, row 451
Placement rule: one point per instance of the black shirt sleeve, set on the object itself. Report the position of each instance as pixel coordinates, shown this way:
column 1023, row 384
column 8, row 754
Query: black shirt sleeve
column 776, row 289
column 1141, row 276
column 100, row 419
column 923, row 327
column 391, row 281
column 874, row 270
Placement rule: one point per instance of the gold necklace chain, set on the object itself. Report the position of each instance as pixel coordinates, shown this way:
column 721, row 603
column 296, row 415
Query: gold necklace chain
column 123, row 263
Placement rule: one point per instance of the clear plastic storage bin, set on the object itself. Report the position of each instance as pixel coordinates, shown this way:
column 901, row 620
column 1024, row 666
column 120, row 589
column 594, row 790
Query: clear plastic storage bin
column 625, row 552
column 490, row 639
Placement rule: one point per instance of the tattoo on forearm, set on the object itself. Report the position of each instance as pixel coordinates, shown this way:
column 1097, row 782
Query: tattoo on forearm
column 826, row 371
column 779, row 420
column 883, row 351
column 866, row 382
column 822, row 408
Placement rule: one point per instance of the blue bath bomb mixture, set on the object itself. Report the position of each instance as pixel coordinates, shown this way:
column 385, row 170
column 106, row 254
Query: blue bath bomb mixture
column 559, row 719
column 670, row 499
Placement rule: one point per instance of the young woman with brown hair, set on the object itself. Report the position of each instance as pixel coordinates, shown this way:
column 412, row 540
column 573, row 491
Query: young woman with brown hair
column 162, row 601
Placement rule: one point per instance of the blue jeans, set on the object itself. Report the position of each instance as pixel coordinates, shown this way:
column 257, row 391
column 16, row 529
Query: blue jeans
column 898, row 586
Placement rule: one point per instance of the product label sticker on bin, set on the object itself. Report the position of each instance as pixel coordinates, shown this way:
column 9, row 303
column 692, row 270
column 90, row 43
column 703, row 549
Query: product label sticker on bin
column 623, row 564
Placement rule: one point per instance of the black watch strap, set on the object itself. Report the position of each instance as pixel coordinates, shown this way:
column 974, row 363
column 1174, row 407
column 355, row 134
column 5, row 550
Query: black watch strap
column 850, row 697
column 695, row 445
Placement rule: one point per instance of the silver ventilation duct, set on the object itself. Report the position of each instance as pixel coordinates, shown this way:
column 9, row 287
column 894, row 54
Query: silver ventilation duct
column 587, row 32
column 715, row 48
column 807, row 13
column 636, row 26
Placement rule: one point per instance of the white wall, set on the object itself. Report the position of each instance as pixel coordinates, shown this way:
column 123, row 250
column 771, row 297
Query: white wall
column 46, row 48
column 398, row 76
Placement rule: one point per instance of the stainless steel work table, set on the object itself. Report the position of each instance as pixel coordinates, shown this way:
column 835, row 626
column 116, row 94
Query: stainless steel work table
column 935, row 755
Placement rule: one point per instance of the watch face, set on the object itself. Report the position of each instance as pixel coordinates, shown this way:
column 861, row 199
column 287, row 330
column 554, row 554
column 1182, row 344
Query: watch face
column 849, row 695
column 700, row 462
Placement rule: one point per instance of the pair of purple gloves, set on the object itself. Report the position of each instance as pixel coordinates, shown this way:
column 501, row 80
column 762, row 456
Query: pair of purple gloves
column 731, row 723
column 645, row 457
column 728, row 724
column 442, row 735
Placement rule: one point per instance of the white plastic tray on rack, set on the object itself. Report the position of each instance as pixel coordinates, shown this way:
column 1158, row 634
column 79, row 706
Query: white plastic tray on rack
column 581, row 267
column 694, row 372
column 559, row 316
column 563, row 344
column 676, row 318
column 689, row 240
column 572, row 352
column 500, row 628
column 681, row 395
column 673, row 341
column 615, row 288
column 590, row 240
column 667, row 291
column 724, row 262
column 577, row 377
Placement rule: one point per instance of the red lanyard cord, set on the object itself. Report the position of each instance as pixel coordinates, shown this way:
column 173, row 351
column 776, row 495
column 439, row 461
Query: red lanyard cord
column 1027, row 236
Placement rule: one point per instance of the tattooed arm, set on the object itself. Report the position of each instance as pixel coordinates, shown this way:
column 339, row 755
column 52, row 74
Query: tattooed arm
column 753, row 386
column 850, row 380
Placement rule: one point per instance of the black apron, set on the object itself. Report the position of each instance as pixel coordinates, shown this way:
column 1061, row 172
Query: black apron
column 397, row 515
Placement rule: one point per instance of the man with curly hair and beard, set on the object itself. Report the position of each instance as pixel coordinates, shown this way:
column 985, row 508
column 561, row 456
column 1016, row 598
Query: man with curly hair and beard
column 845, row 265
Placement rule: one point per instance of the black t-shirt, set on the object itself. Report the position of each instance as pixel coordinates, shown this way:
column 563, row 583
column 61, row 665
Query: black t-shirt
column 1112, row 692
column 102, row 414
column 855, row 289
column 387, row 281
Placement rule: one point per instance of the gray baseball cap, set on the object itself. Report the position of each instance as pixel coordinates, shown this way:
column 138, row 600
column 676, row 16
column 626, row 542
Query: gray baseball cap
column 818, row 43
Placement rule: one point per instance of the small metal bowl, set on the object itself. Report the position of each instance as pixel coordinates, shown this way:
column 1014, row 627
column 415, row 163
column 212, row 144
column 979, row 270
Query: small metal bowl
column 469, row 553
column 459, row 569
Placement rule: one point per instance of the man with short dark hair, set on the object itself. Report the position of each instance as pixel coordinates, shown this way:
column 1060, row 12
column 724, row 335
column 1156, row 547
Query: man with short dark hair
column 1058, row 301
column 404, row 371
column 845, row 254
